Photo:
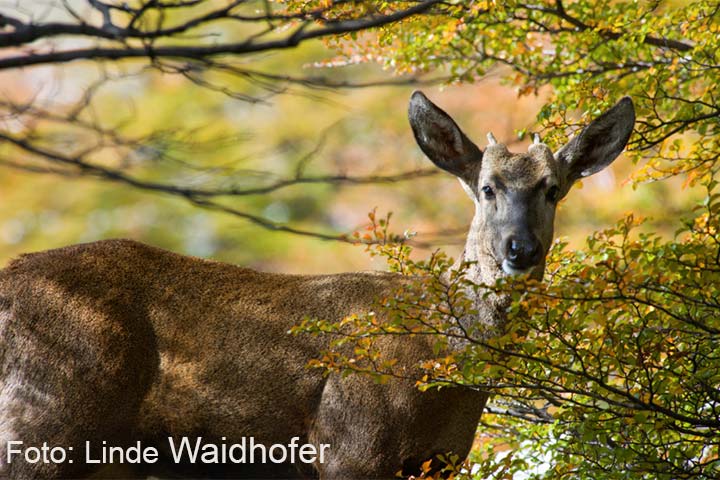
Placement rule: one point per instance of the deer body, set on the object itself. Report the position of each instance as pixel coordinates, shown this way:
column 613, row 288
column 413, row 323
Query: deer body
column 118, row 341
column 152, row 344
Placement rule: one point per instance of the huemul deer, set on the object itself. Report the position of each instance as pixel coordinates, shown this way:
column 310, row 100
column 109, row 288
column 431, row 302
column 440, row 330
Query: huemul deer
column 120, row 342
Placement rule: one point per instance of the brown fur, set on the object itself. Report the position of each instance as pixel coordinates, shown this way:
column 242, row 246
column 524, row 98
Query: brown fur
column 151, row 343
column 120, row 341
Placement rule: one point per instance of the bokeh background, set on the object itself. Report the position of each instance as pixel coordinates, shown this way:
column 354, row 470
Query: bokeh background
column 253, row 141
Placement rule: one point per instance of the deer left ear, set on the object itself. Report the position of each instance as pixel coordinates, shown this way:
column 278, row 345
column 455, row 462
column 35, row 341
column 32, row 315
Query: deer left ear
column 599, row 143
column 441, row 139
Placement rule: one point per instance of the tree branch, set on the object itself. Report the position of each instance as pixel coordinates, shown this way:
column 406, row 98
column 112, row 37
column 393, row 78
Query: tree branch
column 194, row 52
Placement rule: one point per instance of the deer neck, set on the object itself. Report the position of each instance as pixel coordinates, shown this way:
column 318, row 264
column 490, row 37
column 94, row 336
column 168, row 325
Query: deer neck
column 481, row 268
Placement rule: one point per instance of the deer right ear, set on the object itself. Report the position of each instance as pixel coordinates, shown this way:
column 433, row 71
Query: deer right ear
column 441, row 139
column 599, row 143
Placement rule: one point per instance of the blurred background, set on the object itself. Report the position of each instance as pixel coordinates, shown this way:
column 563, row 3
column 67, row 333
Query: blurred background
column 202, row 136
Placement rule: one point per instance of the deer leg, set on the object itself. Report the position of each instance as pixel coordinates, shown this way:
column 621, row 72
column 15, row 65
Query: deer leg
column 355, row 428
column 61, row 391
column 27, row 424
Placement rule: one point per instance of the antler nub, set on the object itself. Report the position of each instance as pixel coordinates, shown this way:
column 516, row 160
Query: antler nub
column 491, row 139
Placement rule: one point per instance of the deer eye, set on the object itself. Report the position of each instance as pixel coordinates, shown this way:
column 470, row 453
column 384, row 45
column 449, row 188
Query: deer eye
column 553, row 194
column 488, row 192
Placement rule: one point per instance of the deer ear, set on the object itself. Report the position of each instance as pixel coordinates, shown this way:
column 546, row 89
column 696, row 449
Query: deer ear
column 441, row 139
column 599, row 143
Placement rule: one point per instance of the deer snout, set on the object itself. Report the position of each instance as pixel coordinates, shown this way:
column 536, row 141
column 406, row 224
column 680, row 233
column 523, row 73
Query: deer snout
column 522, row 253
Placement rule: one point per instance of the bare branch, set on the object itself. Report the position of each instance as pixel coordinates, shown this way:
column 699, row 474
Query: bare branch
column 110, row 32
column 195, row 52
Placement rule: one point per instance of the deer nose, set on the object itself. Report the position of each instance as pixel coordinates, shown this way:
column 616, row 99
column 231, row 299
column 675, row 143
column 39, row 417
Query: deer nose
column 523, row 251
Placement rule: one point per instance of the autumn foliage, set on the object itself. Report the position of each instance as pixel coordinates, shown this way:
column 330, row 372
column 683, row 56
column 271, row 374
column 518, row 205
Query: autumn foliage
column 609, row 368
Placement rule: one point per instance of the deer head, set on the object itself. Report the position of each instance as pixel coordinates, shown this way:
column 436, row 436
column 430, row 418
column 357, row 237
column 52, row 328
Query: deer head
column 516, row 194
